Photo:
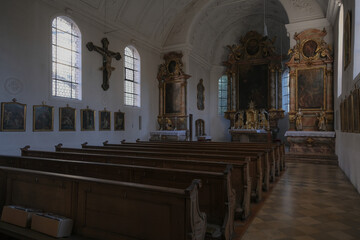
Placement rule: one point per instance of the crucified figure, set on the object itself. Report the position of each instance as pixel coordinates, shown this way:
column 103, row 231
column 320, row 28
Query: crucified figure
column 107, row 57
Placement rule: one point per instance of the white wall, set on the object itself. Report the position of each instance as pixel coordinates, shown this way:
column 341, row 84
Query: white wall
column 25, row 55
column 347, row 144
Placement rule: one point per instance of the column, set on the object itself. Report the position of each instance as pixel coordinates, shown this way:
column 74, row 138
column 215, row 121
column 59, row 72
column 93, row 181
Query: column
column 279, row 73
column 292, row 89
column 272, row 88
column 329, row 88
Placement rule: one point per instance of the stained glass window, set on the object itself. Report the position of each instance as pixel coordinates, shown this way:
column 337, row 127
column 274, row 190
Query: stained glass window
column 285, row 91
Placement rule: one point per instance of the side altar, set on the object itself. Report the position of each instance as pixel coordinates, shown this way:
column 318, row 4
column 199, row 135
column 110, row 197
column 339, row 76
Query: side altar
column 311, row 134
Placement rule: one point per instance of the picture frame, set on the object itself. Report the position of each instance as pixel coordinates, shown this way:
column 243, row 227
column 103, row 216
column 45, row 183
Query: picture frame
column 87, row 119
column 104, row 120
column 13, row 116
column 311, row 89
column 356, row 104
column 351, row 113
column 43, row 118
column 119, row 121
column 347, row 39
column 346, row 116
column 67, row 119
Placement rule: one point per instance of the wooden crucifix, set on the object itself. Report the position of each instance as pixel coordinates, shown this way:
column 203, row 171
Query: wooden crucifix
column 107, row 57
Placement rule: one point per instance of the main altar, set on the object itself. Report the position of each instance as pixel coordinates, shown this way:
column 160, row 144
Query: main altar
column 254, row 88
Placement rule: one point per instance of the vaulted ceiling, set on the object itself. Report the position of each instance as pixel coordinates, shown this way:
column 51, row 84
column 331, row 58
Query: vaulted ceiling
column 204, row 25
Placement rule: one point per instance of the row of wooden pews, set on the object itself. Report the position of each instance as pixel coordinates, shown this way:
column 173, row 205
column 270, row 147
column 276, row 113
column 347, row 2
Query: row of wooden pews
column 144, row 190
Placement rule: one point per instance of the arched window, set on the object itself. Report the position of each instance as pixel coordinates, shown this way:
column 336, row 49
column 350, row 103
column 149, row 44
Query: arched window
column 285, row 91
column 132, row 77
column 222, row 96
column 66, row 58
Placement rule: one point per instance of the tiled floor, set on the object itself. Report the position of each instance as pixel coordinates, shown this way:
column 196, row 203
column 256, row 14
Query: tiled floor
column 309, row 202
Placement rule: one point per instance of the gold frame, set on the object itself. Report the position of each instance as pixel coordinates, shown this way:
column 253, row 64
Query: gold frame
column 60, row 116
column 347, row 39
column 297, row 94
column 115, row 114
column 3, row 104
column 82, row 118
column 316, row 56
column 52, row 118
column 104, row 129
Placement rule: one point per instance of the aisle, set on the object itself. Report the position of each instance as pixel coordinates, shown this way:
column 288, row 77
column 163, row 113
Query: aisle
column 309, row 202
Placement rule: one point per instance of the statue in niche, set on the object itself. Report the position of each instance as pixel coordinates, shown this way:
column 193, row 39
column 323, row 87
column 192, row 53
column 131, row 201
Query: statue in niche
column 298, row 120
column 322, row 121
column 200, row 95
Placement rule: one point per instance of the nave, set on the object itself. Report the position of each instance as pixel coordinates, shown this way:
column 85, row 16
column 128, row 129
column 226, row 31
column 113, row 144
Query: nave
column 310, row 201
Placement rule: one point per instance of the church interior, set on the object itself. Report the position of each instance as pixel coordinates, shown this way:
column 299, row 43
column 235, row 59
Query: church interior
column 190, row 119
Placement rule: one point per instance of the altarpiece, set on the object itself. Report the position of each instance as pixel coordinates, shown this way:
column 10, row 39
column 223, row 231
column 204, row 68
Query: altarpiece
column 254, row 71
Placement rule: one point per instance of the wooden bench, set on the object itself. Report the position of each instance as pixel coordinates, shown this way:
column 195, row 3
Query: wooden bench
column 209, row 154
column 258, row 174
column 280, row 147
column 277, row 152
column 219, row 207
column 240, row 178
column 106, row 209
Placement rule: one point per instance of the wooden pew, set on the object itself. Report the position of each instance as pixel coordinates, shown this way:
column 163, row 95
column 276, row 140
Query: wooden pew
column 277, row 149
column 198, row 153
column 240, row 177
column 258, row 174
column 106, row 209
column 219, row 207
column 280, row 146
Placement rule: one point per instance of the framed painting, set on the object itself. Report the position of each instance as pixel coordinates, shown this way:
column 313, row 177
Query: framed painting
column 253, row 85
column 347, row 40
column 13, row 116
column 310, row 89
column 173, row 98
column 43, row 118
column 346, row 115
column 67, row 119
column 104, row 120
column 355, row 110
column 356, row 99
column 351, row 113
column 87, row 119
column 119, row 121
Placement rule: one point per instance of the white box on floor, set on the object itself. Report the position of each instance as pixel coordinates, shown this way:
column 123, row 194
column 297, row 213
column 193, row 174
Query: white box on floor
column 53, row 225
column 18, row 215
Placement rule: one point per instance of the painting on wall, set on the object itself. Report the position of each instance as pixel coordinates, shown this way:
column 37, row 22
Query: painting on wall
column 104, row 120
column 253, row 86
column 347, row 40
column 13, row 116
column 173, row 98
column 356, row 106
column 119, row 121
column 87, row 119
column 310, row 92
column 67, row 119
column 43, row 118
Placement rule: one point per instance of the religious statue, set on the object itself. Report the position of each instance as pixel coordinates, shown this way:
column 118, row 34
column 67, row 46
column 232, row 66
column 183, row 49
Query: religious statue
column 200, row 95
column 107, row 58
column 239, row 124
column 251, row 117
column 298, row 120
column 263, row 122
column 322, row 121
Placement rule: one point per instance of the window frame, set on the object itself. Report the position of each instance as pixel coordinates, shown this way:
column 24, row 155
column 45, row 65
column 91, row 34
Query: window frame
column 53, row 74
column 222, row 91
column 136, row 75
